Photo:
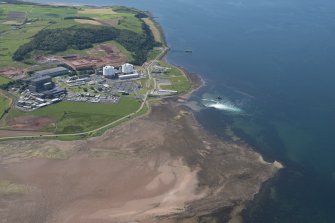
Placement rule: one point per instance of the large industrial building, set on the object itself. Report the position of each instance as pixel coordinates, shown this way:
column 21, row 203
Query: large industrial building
column 126, row 71
column 109, row 71
column 127, row 68
column 53, row 72
column 40, row 84
column 45, row 87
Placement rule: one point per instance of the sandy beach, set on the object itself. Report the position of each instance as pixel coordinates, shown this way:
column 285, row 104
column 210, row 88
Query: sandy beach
column 158, row 168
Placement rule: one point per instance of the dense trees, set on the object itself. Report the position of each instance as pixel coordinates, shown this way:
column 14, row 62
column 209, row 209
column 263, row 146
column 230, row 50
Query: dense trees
column 140, row 44
column 56, row 40
column 83, row 37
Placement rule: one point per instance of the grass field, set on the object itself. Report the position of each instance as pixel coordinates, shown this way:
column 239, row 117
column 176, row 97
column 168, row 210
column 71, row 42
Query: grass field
column 179, row 82
column 73, row 117
column 4, row 80
column 98, row 11
column 88, row 21
column 127, row 18
column 20, row 22
column 153, row 54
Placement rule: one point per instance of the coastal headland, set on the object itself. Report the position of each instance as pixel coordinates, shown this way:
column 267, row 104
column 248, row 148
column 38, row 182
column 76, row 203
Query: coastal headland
column 154, row 164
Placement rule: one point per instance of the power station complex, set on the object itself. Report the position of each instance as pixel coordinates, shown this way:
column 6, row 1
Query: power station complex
column 42, row 90
column 126, row 71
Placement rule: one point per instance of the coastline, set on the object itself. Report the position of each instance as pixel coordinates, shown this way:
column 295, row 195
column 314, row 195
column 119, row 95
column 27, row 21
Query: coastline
column 196, row 80
column 255, row 86
column 219, row 175
column 211, row 204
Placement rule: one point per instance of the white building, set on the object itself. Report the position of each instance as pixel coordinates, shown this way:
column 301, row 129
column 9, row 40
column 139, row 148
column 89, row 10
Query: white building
column 127, row 68
column 108, row 71
column 129, row 76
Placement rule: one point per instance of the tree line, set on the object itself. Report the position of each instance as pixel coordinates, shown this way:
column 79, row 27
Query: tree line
column 83, row 37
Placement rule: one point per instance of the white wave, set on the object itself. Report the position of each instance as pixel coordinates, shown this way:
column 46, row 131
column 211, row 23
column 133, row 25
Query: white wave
column 221, row 105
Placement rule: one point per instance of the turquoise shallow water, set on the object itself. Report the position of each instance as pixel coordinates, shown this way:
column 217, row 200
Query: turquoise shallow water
column 273, row 62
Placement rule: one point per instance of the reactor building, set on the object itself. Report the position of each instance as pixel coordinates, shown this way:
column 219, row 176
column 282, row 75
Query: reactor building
column 127, row 68
column 109, row 71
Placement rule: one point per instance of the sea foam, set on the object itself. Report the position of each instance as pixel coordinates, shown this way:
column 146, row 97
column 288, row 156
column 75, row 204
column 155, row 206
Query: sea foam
column 223, row 105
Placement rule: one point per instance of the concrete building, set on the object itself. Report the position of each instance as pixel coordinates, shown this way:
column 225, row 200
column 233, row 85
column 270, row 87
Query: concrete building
column 45, row 87
column 127, row 68
column 108, row 71
column 40, row 84
column 53, row 72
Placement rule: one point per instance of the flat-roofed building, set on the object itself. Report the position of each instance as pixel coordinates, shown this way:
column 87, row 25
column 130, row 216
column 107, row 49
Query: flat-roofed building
column 128, row 76
column 45, row 87
column 53, row 72
column 38, row 84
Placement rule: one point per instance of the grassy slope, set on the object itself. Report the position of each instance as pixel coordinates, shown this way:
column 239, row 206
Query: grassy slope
column 74, row 117
column 4, row 80
column 154, row 29
column 4, row 104
column 123, row 50
column 153, row 54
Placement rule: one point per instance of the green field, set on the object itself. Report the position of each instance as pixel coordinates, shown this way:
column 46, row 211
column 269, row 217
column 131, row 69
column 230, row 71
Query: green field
column 4, row 80
column 20, row 22
column 4, row 105
column 74, row 117
column 153, row 54
column 179, row 82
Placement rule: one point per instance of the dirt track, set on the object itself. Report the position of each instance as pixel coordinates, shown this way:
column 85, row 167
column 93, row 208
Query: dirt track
column 158, row 168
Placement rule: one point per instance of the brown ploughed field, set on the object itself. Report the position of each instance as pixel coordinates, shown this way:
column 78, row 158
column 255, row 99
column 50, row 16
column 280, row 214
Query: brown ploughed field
column 98, row 56
column 29, row 123
column 12, row 73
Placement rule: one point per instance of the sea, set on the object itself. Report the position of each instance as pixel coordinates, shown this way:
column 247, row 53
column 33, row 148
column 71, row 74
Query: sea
column 269, row 67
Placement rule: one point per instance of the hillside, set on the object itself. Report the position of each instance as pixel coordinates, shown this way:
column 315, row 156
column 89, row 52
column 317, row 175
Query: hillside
column 29, row 30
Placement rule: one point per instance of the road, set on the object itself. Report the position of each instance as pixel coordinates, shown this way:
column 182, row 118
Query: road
column 147, row 66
